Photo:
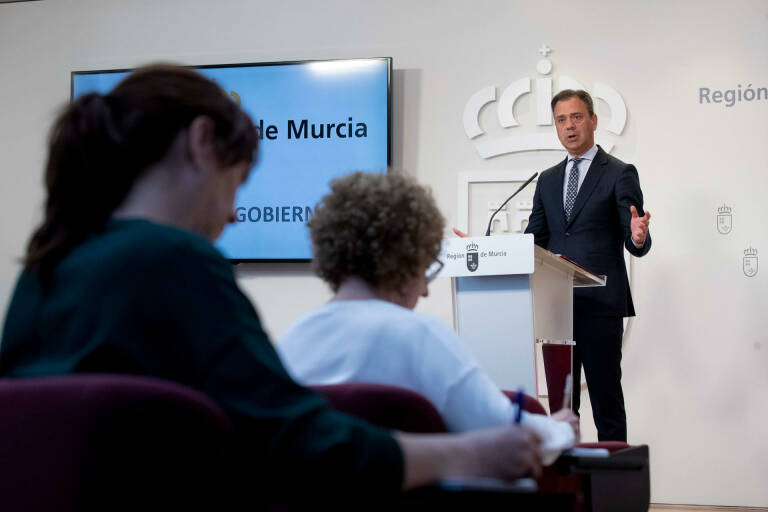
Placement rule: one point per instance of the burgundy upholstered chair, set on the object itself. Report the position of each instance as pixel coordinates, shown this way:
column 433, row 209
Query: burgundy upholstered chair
column 387, row 406
column 108, row 442
column 530, row 404
column 397, row 408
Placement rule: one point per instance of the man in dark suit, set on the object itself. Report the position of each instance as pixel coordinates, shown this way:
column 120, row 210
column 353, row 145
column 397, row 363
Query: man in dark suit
column 589, row 207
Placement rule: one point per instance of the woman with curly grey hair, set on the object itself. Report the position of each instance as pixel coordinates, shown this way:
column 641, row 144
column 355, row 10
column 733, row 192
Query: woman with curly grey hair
column 376, row 239
column 377, row 232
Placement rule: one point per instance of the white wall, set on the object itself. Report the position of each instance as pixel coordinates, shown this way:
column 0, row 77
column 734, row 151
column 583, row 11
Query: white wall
column 695, row 362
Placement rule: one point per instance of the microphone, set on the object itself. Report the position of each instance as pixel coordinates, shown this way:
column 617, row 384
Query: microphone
column 490, row 222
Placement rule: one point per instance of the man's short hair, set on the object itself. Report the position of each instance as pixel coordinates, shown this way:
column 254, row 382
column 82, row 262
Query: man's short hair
column 567, row 94
column 381, row 228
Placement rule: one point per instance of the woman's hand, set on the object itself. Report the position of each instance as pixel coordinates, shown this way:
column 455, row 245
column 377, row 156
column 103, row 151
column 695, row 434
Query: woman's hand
column 566, row 415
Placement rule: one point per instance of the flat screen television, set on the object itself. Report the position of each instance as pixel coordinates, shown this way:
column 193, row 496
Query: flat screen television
column 317, row 119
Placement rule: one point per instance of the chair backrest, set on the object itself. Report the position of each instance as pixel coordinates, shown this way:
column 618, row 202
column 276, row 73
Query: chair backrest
column 387, row 406
column 530, row 404
column 107, row 442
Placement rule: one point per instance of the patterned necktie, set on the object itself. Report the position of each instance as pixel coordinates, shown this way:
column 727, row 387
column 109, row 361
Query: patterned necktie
column 573, row 188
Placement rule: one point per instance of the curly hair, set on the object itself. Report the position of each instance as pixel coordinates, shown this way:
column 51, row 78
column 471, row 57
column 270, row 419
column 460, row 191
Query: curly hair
column 381, row 228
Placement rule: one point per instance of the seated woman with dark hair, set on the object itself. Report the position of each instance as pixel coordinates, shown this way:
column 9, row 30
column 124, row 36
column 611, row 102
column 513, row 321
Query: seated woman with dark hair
column 121, row 277
column 376, row 238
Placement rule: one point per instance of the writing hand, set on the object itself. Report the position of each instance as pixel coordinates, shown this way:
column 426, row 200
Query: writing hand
column 567, row 416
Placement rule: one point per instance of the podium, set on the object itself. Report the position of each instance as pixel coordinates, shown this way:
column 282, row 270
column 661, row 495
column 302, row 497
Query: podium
column 507, row 294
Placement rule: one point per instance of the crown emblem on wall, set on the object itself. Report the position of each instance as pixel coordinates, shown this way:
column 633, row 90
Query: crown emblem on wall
column 750, row 263
column 724, row 219
column 542, row 93
column 473, row 247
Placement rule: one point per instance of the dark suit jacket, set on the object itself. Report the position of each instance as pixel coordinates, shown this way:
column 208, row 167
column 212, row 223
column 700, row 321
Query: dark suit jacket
column 597, row 231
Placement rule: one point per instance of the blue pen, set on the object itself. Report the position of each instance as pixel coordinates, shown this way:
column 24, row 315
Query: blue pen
column 519, row 403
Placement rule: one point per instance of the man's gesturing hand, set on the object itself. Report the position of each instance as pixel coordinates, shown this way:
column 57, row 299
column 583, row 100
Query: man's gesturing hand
column 639, row 225
column 460, row 233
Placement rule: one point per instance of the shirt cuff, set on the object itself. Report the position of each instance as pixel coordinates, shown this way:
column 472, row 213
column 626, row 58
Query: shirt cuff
column 637, row 246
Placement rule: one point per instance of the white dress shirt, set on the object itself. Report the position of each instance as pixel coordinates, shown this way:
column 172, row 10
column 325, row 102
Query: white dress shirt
column 584, row 164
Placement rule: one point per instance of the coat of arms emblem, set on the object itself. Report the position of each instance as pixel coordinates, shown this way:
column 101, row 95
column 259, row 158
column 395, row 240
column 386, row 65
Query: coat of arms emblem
column 724, row 223
column 473, row 259
column 750, row 262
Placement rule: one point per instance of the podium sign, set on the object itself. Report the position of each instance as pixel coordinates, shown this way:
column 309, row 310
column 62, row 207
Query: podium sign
column 487, row 256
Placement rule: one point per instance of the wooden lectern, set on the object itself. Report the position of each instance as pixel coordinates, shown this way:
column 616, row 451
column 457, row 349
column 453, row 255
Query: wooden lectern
column 508, row 293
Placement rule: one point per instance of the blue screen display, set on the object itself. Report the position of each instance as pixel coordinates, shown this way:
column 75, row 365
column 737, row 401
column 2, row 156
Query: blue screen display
column 318, row 120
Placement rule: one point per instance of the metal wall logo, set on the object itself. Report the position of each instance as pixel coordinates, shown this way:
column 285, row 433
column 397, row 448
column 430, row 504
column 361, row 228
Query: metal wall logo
column 750, row 262
column 473, row 259
column 489, row 147
column 724, row 222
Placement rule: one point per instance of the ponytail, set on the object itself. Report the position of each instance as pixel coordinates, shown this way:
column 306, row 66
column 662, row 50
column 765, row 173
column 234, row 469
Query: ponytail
column 80, row 179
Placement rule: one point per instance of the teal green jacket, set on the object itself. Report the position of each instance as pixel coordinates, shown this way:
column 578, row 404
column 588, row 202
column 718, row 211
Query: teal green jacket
column 148, row 299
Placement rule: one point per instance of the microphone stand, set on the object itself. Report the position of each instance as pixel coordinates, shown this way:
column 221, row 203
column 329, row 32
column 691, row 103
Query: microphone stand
column 490, row 222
